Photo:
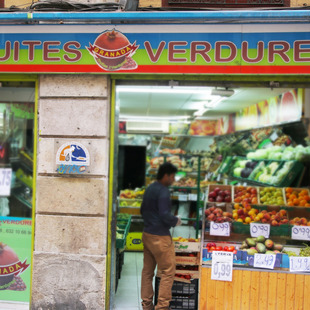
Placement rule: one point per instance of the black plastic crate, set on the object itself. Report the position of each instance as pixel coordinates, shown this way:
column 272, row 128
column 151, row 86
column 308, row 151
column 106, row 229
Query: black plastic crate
column 184, row 295
column 182, row 302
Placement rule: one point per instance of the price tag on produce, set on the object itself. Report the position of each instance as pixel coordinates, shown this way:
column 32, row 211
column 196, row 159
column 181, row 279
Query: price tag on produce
column 301, row 264
column 264, row 261
column 222, row 266
column 258, row 229
column 192, row 197
column 5, row 181
column 220, row 229
column 182, row 197
column 301, row 232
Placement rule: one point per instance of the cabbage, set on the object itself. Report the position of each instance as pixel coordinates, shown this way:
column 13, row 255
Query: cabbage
column 237, row 172
column 287, row 155
column 299, row 147
column 251, row 155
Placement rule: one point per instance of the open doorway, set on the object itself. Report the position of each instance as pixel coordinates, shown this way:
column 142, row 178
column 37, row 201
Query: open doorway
column 181, row 124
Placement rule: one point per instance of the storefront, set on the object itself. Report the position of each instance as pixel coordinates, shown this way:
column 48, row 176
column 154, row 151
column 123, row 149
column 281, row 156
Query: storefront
column 75, row 63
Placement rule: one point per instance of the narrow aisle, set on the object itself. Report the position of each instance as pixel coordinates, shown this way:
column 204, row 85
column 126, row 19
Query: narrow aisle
column 128, row 291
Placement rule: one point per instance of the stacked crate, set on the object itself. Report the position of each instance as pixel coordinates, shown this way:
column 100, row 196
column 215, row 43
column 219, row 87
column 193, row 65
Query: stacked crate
column 186, row 285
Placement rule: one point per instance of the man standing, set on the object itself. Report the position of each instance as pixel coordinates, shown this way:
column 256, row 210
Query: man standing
column 157, row 241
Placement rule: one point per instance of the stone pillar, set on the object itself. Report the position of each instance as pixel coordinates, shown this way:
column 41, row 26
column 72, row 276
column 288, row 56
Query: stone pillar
column 71, row 210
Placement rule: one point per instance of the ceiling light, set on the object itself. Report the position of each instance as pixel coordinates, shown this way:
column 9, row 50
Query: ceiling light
column 164, row 90
column 223, row 92
column 153, row 118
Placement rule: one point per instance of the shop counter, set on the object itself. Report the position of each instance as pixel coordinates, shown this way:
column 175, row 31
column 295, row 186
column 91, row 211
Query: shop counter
column 255, row 290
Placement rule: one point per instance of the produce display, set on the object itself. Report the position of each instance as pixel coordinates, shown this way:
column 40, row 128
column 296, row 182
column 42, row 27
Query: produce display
column 245, row 214
column 185, row 182
column 300, row 221
column 132, row 194
column 271, row 196
column 218, row 194
column 299, row 153
column 297, row 197
column 246, row 194
column 243, row 168
column 172, row 151
column 260, row 245
column 211, row 246
column 217, row 215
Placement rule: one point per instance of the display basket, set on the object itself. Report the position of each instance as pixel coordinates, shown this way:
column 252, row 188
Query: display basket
column 236, row 188
column 259, row 196
column 212, row 187
column 226, row 164
column 295, row 171
column 297, row 190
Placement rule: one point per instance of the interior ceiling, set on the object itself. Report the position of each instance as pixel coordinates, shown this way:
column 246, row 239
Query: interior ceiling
column 154, row 101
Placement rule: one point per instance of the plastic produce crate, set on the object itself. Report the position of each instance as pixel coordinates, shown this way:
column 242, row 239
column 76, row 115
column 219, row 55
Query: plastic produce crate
column 184, row 295
column 282, row 230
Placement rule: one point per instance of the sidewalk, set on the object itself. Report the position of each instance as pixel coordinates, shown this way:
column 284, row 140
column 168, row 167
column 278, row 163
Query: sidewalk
column 6, row 305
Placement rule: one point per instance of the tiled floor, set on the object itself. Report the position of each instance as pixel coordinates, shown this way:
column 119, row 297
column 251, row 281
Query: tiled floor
column 128, row 291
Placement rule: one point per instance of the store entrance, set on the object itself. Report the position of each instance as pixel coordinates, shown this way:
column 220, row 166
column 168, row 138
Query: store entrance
column 196, row 126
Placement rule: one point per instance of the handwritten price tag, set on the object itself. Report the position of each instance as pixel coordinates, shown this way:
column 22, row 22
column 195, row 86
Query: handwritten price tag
column 264, row 261
column 5, row 181
column 301, row 264
column 258, row 229
column 222, row 266
column 301, row 233
column 220, row 229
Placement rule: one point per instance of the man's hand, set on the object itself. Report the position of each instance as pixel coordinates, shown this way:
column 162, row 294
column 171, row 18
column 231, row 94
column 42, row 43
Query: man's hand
column 179, row 223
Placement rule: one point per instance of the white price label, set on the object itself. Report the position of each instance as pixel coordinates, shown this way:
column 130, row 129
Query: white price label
column 5, row 181
column 192, row 197
column 220, row 229
column 264, row 261
column 301, row 232
column 222, row 266
column 301, row 264
column 258, row 229
column 182, row 197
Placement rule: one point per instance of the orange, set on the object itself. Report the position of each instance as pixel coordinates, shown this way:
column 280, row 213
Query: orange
column 307, row 205
column 307, row 197
column 290, row 203
column 296, row 202
column 289, row 190
column 303, row 192
column 292, row 197
column 302, row 202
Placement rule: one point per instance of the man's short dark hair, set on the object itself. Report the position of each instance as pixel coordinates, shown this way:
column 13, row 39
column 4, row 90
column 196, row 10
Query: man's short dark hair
column 166, row 168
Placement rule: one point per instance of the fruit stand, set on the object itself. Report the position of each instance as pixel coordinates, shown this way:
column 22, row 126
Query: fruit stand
column 268, row 240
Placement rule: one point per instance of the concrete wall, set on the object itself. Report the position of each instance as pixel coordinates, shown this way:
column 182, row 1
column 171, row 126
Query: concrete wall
column 71, row 210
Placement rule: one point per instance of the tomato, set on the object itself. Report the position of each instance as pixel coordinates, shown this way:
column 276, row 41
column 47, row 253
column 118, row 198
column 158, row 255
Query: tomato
column 235, row 251
column 208, row 248
column 213, row 248
column 231, row 248
column 209, row 245
column 225, row 248
column 218, row 248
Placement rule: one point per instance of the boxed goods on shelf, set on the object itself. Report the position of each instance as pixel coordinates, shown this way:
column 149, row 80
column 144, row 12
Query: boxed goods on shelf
column 182, row 258
column 186, row 245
